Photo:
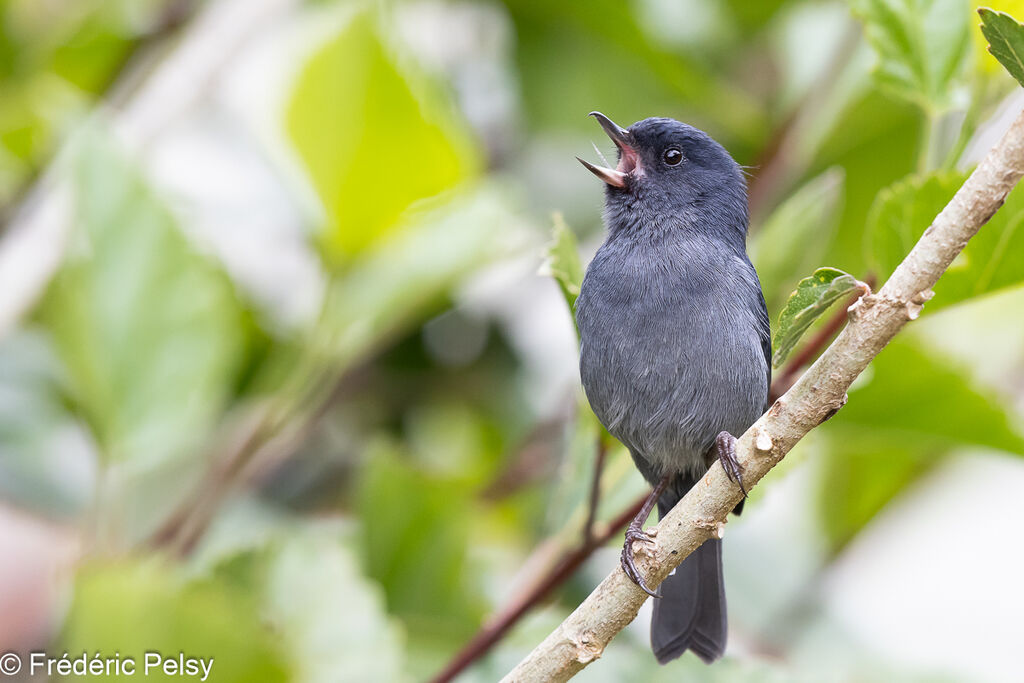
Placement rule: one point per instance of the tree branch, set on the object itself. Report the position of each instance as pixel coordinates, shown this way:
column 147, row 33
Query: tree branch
column 701, row 514
column 561, row 570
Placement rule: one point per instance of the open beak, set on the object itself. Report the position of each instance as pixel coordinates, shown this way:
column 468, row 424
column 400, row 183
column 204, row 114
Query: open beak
column 629, row 160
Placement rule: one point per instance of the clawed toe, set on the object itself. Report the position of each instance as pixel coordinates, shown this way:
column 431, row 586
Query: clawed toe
column 725, row 444
column 628, row 562
column 635, row 532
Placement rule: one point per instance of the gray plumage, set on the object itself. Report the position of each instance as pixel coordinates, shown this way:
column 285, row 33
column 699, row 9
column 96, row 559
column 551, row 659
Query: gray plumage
column 674, row 336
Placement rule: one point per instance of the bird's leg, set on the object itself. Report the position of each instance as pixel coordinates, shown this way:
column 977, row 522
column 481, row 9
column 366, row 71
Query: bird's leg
column 635, row 532
column 725, row 445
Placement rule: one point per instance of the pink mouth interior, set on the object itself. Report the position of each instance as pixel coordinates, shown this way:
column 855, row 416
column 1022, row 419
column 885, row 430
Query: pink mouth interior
column 629, row 160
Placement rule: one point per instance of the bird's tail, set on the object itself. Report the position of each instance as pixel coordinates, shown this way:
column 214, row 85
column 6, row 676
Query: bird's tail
column 690, row 614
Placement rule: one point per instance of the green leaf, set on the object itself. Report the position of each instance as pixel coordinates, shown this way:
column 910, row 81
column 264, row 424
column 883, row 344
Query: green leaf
column 754, row 16
column 52, row 64
column 304, row 574
column 615, row 62
column 151, row 332
column 876, row 142
column 911, row 407
column 900, row 214
column 408, row 274
column 923, row 46
column 137, row 608
column 993, row 259
column 860, row 476
column 1005, row 38
column 91, row 56
column 562, row 262
column 795, row 237
column 415, row 537
column 329, row 615
column 373, row 137
column 812, row 297
column 914, row 395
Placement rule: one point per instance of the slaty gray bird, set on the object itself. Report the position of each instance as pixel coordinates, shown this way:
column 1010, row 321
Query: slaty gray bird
column 675, row 345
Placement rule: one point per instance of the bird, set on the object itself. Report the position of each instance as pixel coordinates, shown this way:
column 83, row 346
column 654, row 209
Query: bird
column 675, row 345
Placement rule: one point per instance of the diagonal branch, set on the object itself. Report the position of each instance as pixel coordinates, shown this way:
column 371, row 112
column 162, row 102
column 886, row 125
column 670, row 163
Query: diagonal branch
column 874, row 321
column 562, row 570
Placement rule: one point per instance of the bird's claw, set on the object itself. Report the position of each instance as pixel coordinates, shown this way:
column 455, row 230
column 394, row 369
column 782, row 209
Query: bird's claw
column 635, row 533
column 725, row 444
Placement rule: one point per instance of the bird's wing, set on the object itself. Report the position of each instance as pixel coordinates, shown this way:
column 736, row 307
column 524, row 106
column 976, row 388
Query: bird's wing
column 764, row 332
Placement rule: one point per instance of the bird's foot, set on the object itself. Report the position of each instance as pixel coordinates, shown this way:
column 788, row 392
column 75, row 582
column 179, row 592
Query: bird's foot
column 725, row 444
column 635, row 532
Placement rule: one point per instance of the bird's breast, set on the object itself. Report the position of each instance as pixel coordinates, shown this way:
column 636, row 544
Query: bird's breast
column 668, row 357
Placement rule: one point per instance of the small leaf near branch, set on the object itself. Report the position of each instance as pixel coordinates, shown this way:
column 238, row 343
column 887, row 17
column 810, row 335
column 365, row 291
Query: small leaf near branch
column 812, row 297
column 562, row 262
column 1005, row 38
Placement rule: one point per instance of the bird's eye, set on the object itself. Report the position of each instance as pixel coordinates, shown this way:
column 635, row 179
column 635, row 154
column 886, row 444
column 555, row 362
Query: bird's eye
column 672, row 156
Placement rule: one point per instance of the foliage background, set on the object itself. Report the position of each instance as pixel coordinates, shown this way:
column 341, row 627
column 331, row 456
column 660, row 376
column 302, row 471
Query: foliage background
column 280, row 382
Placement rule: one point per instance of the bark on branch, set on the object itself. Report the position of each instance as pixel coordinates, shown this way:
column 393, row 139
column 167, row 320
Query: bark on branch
column 873, row 322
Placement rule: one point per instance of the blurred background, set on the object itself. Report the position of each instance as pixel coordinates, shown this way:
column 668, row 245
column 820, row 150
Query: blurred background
column 285, row 380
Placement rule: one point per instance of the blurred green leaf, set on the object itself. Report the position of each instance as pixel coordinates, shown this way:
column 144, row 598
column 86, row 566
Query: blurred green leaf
column 150, row 331
column 331, row 618
column 618, row 68
column 571, row 490
column 452, row 438
column 922, row 45
column 399, row 281
column 756, row 15
column 135, row 608
column 812, row 297
column 795, row 237
column 415, row 535
column 562, row 262
column 54, row 59
column 408, row 274
column 27, row 117
column 374, row 138
column 992, row 260
column 900, row 214
column 1006, row 40
column 910, row 409
column 90, row 57
column 920, row 397
column 876, row 141
column 860, row 476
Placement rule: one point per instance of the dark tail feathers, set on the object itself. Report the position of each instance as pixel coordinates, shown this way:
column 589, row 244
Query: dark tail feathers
column 690, row 614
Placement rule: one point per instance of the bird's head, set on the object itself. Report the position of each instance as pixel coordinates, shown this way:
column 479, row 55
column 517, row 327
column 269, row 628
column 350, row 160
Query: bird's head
column 669, row 170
